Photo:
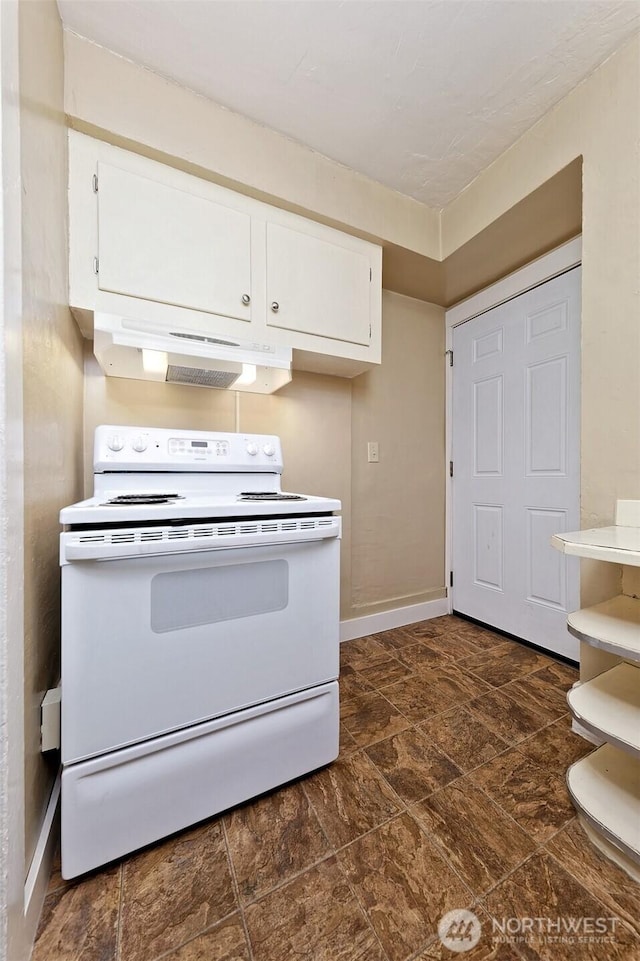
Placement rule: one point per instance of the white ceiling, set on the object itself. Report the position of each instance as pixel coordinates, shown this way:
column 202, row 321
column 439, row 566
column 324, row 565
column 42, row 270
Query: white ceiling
column 421, row 96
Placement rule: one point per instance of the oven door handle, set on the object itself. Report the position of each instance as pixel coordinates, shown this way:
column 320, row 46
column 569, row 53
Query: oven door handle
column 107, row 545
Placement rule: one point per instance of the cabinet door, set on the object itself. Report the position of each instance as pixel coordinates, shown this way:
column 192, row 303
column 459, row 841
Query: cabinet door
column 320, row 287
column 166, row 245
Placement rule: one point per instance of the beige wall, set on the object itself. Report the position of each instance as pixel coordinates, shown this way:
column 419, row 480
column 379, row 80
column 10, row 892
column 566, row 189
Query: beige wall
column 191, row 132
column 398, row 504
column 600, row 121
column 540, row 222
column 392, row 546
column 631, row 581
column 52, row 378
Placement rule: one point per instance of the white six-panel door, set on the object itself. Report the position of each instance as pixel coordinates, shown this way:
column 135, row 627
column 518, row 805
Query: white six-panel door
column 515, row 442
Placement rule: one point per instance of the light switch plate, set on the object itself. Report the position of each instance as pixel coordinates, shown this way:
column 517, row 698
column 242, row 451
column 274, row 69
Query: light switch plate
column 373, row 454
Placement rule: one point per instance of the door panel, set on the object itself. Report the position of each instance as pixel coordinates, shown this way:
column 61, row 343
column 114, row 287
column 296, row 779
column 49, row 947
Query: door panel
column 488, row 345
column 320, row 287
column 488, row 546
column 516, row 463
column 546, row 425
column 488, row 426
column 546, row 574
column 166, row 245
column 550, row 320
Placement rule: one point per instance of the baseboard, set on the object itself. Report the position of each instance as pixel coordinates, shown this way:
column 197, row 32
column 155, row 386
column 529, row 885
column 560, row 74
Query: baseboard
column 387, row 620
column 35, row 887
column 577, row 728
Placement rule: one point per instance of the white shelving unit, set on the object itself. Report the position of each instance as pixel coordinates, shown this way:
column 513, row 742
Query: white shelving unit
column 613, row 626
column 619, row 545
column 609, row 706
column 605, row 785
column 605, row 788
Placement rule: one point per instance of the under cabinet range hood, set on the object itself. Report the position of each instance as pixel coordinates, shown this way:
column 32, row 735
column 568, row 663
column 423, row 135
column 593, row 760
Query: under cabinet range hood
column 176, row 354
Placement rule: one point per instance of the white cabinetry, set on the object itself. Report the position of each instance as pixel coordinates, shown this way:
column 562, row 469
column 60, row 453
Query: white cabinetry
column 162, row 244
column 605, row 785
column 315, row 284
column 153, row 243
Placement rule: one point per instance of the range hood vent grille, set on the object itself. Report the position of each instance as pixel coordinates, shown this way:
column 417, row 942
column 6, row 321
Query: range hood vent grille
column 201, row 339
column 198, row 377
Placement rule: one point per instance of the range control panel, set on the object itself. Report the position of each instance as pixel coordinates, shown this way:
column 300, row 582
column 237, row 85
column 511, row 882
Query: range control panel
column 182, row 447
column 159, row 449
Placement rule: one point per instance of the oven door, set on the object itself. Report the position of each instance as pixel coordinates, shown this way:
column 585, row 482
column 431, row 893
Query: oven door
column 151, row 644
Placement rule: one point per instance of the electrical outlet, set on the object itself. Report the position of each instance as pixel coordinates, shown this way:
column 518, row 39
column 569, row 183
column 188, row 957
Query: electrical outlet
column 373, row 454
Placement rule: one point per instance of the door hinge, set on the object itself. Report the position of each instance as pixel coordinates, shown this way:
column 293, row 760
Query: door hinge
column 96, row 265
column 450, row 468
column 450, row 578
column 94, row 181
column 370, row 274
column 369, row 331
column 449, row 354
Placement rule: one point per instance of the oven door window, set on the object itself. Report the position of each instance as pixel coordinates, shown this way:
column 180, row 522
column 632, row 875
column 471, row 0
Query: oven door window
column 181, row 599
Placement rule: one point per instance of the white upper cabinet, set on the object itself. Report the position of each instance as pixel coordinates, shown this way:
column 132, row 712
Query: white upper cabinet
column 149, row 242
column 162, row 244
column 315, row 284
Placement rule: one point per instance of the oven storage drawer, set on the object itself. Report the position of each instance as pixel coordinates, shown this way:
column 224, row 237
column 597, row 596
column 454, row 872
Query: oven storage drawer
column 112, row 805
column 152, row 644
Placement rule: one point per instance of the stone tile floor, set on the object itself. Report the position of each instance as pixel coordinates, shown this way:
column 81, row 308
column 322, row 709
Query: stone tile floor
column 449, row 793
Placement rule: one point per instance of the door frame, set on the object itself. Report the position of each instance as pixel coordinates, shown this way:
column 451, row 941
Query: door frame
column 556, row 262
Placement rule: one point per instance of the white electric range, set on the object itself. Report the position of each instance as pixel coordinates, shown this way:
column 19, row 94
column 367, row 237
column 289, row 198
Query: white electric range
column 200, row 636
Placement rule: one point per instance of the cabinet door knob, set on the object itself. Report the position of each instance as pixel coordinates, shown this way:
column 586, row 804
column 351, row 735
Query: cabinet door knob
column 246, row 299
column 275, row 306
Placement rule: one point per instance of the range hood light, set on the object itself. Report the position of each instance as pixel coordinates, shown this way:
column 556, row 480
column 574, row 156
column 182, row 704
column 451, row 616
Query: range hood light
column 248, row 375
column 155, row 361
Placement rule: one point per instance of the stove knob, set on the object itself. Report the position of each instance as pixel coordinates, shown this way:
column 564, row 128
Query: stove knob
column 115, row 442
column 252, row 449
column 139, row 444
column 269, row 450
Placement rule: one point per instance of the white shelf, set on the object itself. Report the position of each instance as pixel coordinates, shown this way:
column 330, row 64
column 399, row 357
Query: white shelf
column 605, row 785
column 609, row 706
column 613, row 626
column 605, row 788
column 619, row 545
